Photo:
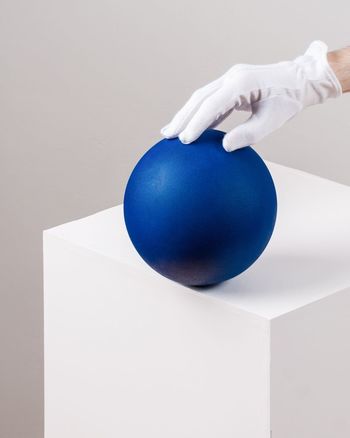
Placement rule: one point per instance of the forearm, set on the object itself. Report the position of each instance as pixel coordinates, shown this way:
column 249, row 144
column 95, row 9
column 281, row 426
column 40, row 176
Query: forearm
column 339, row 60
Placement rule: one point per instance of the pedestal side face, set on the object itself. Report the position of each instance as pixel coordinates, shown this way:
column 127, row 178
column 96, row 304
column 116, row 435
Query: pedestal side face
column 127, row 356
column 310, row 365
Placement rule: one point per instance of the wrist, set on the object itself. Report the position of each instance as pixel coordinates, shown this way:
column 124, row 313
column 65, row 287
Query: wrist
column 339, row 61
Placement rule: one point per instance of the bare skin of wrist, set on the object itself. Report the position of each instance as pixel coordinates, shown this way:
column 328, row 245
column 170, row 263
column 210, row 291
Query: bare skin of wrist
column 339, row 60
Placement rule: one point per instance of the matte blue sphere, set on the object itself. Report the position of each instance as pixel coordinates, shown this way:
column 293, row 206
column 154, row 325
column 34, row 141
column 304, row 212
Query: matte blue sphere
column 198, row 214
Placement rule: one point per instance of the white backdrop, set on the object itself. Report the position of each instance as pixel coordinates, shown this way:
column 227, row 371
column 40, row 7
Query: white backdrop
column 85, row 87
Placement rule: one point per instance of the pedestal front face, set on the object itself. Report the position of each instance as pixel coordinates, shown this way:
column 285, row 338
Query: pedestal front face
column 142, row 357
column 131, row 354
column 310, row 370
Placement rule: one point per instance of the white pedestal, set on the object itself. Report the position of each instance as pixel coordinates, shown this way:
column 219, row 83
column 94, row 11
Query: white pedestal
column 130, row 354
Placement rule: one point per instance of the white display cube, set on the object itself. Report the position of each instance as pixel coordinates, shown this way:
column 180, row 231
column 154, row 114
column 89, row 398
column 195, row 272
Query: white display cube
column 130, row 354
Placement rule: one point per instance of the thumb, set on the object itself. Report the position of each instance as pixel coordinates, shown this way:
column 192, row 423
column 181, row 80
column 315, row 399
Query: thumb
column 243, row 135
column 267, row 116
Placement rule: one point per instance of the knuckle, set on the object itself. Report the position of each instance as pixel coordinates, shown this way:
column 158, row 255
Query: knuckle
column 241, row 79
column 238, row 68
column 209, row 105
column 241, row 76
column 197, row 93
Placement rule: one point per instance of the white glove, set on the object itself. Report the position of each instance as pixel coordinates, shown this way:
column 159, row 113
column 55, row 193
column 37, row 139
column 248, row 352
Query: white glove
column 272, row 93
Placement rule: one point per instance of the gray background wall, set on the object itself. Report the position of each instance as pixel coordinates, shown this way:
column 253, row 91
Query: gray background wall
column 85, row 87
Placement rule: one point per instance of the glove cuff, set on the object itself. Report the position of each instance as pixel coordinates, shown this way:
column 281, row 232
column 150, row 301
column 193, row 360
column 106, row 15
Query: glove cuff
column 321, row 81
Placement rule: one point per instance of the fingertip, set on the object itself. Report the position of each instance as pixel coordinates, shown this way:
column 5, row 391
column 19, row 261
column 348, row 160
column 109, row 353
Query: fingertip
column 226, row 144
column 190, row 135
column 232, row 147
column 235, row 139
column 165, row 131
column 184, row 139
column 168, row 134
column 187, row 138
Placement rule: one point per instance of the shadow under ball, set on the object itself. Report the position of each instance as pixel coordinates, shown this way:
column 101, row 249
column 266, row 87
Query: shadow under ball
column 197, row 214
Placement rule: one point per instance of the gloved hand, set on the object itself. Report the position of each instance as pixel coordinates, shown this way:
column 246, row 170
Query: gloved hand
column 272, row 93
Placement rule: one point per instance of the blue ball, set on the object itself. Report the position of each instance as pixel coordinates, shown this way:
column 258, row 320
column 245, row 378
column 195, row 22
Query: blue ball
column 198, row 214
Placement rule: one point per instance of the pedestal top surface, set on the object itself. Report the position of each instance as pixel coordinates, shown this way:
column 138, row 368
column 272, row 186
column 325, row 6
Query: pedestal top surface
column 307, row 259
